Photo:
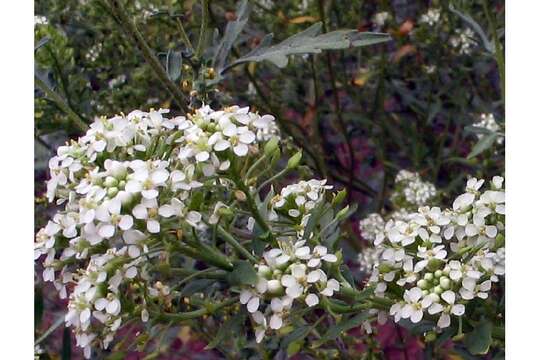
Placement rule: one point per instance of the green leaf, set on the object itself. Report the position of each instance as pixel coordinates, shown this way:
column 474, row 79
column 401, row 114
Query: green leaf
column 243, row 274
column 309, row 41
column 230, row 326
column 232, row 30
column 479, row 340
column 482, row 145
column 341, row 327
column 488, row 45
column 41, row 42
column 297, row 334
column 196, row 286
column 173, row 64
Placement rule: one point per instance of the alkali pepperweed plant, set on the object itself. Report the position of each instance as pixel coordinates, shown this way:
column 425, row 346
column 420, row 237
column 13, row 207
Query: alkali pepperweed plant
column 304, row 178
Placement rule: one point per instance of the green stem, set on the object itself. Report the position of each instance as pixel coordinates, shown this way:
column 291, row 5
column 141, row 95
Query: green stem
column 77, row 121
column 252, row 205
column 209, row 310
column 235, row 244
column 273, row 178
column 119, row 12
column 202, row 32
column 184, row 35
column 208, row 255
column 255, row 165
column 499, row 54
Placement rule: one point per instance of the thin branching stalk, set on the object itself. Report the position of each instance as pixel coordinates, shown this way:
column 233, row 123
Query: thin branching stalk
column 131, row 29
column 75, row 119
column 202, row 32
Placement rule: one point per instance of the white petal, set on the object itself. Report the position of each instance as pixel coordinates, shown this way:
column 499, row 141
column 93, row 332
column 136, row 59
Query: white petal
column 126, row 222
column 241, row 149
column 106, row 230
column 153, row 226
column 416, row 316
column 276, row 322
column 312, row 300
column 444, row 321
column 253, row 304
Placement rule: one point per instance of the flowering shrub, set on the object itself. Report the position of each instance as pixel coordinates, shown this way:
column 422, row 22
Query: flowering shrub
column 167, row 231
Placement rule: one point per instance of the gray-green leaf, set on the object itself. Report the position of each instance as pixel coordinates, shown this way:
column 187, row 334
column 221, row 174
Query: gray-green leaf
column 242, row 274
column 341, row 327
column 173, row 64
column 479, row 340
column 309, row 41
column 232, row 30
column 483, row 144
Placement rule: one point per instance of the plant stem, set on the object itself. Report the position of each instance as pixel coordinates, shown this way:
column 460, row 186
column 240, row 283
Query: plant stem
column 202, row 32
column 77, row 121
column 119, row 12
column 235, row 244
column 499, row 54
column 337, row 106
column 184, row 35
column 196, row 313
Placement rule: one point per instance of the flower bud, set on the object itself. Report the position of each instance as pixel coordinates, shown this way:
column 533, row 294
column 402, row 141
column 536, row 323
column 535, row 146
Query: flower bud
column 430, row 336
column 435, row 281
column 342, row 213
column 434, row 264
column 271, row 146
column 112, row 191
column 425, row 293
column 274, row 287
column 239, row 195
column 435, row 297
column 264, row 270
column 428, row 276
column 340, row 196
column 294, row 161
column 438, row 273
column 110, row 181
column 385, row 268
column 422, row 284
column 438, row 290
column 445, row 283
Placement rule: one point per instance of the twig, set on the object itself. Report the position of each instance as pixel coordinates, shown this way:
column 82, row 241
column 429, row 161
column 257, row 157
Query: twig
column 77, row 121
column 202, row 32
column 119, row 12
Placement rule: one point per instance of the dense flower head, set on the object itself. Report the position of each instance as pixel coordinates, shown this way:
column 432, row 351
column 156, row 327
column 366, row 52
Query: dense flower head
column 436, row 261
column 463, row 41
column 410, row 191
column 129, row 180
column 290, row 276
column 431, row 17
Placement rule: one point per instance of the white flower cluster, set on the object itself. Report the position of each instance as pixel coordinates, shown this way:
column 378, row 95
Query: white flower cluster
column 112, row 202
column 381, row 18
column 94, row 305
column 439, row 260
column 40, row 20
column 369, row 259
column 487, row 122
column 431, row 17
column 371, row 225
column 410, row 191
column 297, row 200
column 292, row 272
column 463, row 41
